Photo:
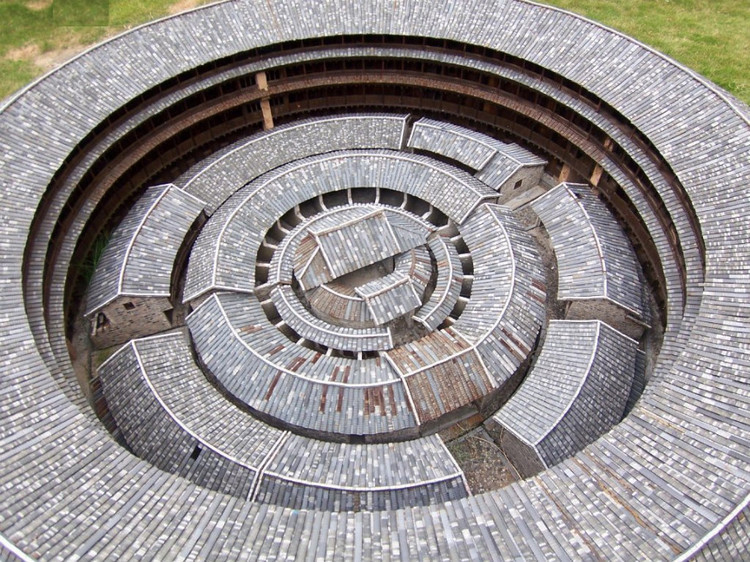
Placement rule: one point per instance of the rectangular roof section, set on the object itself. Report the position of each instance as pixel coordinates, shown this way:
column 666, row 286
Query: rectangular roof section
column 595, row 259
column 344, row 247
column 576, row 391
column 389, row 297
column 463, row 145
column 494, row 160
column 140, row 255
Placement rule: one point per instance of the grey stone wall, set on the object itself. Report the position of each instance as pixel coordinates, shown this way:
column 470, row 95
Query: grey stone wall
column 523, row 457
column 529, row 177
column 126, row 318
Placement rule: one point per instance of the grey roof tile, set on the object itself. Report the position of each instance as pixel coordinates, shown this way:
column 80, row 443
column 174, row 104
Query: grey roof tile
column 217, row 179
column 273, row 375
column 223, row 256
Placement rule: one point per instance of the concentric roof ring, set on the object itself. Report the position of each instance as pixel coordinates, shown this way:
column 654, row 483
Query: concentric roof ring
column 264, row 345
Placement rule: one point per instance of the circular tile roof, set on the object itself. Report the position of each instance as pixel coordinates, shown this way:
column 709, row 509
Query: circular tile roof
column 667, row 482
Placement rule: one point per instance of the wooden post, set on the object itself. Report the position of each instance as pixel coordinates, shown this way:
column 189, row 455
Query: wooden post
column 596, row 175
column 265, row 104
column 564, row 173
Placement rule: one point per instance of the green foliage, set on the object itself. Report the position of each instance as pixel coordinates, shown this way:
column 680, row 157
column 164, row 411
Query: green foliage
column 87, row 268
column 101, row 356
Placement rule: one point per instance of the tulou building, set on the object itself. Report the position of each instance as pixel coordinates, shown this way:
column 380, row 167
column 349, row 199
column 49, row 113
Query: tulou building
column 265, row 264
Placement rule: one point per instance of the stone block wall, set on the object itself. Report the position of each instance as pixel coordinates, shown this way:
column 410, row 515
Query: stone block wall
column 529, row 176
column 126, row 318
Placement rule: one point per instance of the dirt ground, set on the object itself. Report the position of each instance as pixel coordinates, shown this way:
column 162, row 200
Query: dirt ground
column 484, row 464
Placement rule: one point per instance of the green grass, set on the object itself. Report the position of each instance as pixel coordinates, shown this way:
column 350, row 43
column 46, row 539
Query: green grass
column 709, row 36
column 88, row 13
column 38, row 34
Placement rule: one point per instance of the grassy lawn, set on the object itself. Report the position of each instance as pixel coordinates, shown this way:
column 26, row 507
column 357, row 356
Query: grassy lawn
column 710, row 36
column 37, row 35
